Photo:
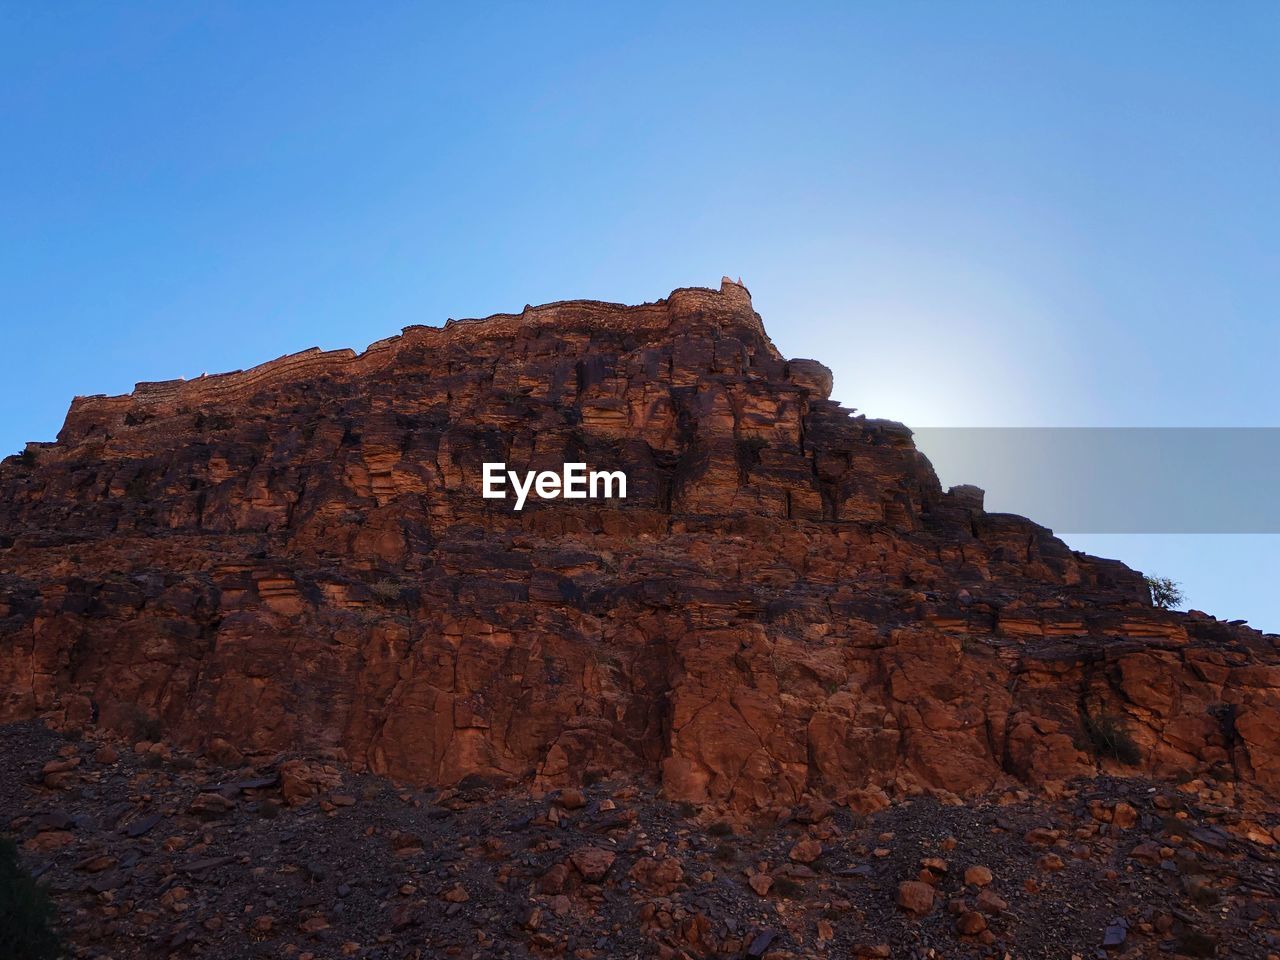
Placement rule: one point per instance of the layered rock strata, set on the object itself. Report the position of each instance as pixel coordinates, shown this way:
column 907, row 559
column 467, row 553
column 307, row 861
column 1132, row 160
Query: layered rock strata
column 297, row 558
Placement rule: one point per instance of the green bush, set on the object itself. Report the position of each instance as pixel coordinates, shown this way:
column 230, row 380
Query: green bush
column 26, row 915
column 1165, row 593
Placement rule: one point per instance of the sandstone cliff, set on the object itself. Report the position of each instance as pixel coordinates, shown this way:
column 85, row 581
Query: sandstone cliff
column 297, row 558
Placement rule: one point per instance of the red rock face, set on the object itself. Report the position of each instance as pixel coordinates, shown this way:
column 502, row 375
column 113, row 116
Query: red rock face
column 298, row 558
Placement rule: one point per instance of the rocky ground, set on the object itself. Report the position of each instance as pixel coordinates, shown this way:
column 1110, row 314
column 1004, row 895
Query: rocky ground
column 150, row 852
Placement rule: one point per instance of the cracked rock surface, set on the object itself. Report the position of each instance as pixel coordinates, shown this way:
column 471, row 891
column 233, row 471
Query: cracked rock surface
column 141, row 866
column 290, row 573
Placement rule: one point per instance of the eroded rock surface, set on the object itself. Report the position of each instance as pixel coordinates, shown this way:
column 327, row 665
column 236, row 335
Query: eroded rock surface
column 156, row 853
column 297, row 558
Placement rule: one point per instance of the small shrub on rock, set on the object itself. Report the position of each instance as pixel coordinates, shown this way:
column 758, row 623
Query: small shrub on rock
column 1109, row 737
column 386, row 590
column 1165, row 593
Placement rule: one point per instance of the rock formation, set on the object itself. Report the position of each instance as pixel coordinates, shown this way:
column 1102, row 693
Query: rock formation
column 297, row 559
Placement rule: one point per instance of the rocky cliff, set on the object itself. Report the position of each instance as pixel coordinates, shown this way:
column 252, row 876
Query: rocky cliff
column 297, row 559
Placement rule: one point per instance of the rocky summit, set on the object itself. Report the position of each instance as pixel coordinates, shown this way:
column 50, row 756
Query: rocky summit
column 279, row 679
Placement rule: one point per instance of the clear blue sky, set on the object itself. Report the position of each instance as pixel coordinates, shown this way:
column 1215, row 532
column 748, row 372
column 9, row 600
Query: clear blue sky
column 977, row 214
